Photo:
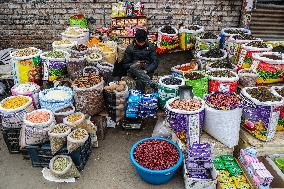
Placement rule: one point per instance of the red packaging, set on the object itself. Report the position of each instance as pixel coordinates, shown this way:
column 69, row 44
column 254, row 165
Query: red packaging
column 138, row 9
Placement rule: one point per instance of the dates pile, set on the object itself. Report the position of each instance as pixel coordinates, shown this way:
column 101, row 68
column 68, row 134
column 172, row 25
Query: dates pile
column 168, row 30
column 186, row 104
column 245, row 37
column 263, row 94
column 220, row 100
column 257, row 44
column 213, row 53
column 208, row 35
column 221, row 73
column 87, row 80
column 171, row 81
column 193, row 76
column 80, row 48
column 156, row 154
column 232, row 31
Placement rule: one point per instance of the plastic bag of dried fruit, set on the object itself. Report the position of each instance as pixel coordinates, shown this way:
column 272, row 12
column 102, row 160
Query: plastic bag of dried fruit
column 62, row 166
column 58, row 136
column 76, row 139
column 74, row 119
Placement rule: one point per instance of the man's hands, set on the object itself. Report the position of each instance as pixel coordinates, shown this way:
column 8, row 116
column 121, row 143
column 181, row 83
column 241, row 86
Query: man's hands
column 138, row 64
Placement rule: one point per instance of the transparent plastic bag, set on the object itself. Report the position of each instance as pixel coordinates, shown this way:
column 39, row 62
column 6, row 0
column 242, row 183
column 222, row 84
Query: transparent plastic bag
column 162, row 129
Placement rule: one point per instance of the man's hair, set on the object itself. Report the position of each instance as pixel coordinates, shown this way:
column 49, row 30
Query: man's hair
column 141, row 35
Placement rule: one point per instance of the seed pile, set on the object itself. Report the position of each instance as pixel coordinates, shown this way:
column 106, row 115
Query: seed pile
column 186, row 104
column 56, row 95
column 38, row 117
column 213, row 53
column 280, row 91
column 26, row 87
column 257, row 44
column 119, row 87
column 273, row 57
column 60, row 163
column 208, row 35
column 80, row 48
column 220, row 100
column 232, row 31
column 245, row 37
column 221, row 64
column 63, row 42
column 55, row 54
column 194, row 28
column 171, row 81
column 168, row 30
column 15, row 102
column 156, row 154
column 221, row 73
column 60, row 128
column 72, row 32
column 262, row 94
column 87, row 80
column 279, row 48
column 193, row 75
column 26, row 52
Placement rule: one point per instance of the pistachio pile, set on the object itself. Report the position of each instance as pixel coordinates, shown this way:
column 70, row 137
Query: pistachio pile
column 208, row 35
column 79, row 134
column 26, row 52
column 221, row 73
column 119, row 87
column 60, row 128
column 60, row 163
column 213, row 53
column 168, row 30
column 257, row 44
column 87, row 80
column 55, row 54
column 194, row 28
column 263, row 94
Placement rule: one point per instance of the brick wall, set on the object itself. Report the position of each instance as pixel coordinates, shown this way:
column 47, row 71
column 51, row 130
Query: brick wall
column 39, row 22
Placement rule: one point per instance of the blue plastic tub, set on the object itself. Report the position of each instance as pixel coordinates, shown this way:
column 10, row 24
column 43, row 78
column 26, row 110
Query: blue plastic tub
column 155, row 176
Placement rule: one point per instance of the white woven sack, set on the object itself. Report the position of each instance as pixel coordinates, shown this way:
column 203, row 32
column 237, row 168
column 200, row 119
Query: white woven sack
column 73, row 124
column 203, row 61
column 224, row 125
column 73, row 144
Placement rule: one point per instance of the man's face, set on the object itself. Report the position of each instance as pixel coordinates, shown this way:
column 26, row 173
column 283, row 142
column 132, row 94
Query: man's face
column 140, row 43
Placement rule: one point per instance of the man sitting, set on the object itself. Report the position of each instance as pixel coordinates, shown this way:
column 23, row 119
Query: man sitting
column 141, row 60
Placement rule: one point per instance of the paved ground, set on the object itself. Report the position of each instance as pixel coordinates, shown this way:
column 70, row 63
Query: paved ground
column 108, row 168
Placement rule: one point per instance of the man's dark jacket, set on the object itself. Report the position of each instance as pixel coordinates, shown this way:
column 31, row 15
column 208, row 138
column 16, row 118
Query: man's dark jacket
column 146, row 53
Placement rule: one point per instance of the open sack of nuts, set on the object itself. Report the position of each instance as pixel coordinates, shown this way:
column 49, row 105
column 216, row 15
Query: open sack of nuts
column 222, row 80
column 58, row 136
column 198, row 80
column 76, row 139
column 115, row 96
column 206, row 57
column 36, row 126
column 74, row 119
column 63, row 112
column 186, row 118
column 207, row 41
column 62, row 166
column 261, row 111
column 222, row 108
column 89, row 93
column 168, row 88
column 75, row 63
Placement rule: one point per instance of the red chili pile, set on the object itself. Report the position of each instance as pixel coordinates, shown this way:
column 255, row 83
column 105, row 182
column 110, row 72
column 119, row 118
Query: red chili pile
column 156, row 154
column 220, row 100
